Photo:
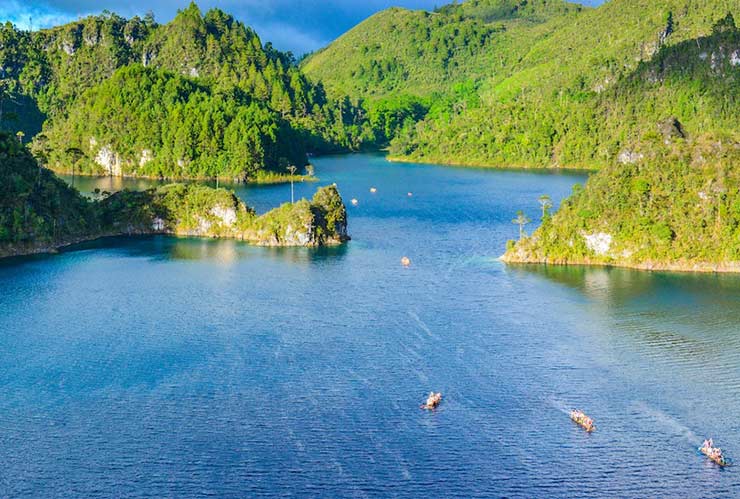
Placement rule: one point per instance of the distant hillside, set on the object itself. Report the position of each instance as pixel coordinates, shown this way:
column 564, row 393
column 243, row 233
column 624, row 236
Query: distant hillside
column 521, row 83
column 43, row 75
column 583, row 112
column 421, row 53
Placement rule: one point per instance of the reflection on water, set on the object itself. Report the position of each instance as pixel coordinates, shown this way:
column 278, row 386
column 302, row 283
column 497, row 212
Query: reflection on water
column 220, row 251
column 687, row 326
column 168, row 367
column 88, row 184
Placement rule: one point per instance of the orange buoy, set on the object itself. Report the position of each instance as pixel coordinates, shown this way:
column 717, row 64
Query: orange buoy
column 405, row 261
column 373, row 190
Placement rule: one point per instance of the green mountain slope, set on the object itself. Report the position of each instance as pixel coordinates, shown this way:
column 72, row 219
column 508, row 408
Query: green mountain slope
column 532, row 89
column 421, row 53
column 672, row 200
column 43, row 76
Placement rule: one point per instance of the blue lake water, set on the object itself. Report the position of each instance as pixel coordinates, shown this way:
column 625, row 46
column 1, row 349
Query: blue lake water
column 182, row 367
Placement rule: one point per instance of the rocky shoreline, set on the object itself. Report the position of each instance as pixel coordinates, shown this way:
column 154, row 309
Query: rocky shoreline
column 199, row 211
column 689, row 267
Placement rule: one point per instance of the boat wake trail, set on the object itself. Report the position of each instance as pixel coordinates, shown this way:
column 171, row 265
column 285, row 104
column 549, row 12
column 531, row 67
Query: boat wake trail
column 422, row 325
column 667, row 421
column 559, row 405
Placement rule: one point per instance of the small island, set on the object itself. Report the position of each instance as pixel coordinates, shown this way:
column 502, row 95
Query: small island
column 40, row 213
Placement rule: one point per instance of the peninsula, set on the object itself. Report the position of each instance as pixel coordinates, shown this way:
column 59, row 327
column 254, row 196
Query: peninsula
column 40, row 213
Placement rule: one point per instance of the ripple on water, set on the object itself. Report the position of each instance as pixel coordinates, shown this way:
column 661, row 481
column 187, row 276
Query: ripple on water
column 176, row 367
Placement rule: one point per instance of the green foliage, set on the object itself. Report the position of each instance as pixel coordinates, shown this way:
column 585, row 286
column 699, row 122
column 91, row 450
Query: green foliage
column 230, row 106
column 679, row 204
column 159, row 124
column 422, row 53
column 499, row 10
column 35, row 206
column 545, row 83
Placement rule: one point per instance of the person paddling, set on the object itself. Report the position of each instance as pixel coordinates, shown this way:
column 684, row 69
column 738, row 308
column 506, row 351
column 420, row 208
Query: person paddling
column 433, row 400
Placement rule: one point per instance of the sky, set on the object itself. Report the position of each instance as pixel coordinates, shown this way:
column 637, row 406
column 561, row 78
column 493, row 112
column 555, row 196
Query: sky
column 297, row 25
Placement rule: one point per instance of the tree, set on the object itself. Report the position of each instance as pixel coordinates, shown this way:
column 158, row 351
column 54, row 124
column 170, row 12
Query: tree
column 4, row 92
column 292, row 169
column 546, row 203
column 521, row 220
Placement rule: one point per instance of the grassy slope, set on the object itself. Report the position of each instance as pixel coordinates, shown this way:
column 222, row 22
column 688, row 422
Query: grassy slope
column 422, row 53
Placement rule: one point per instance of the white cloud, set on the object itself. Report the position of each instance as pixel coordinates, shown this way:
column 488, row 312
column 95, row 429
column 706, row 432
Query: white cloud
column 30, row 16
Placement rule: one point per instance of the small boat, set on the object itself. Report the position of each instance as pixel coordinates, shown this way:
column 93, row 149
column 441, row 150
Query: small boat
column 373, row 190
column 582, row 420
column 715, row 454
column 405, row 261
column 433, row 401
column 355, row 202
column 410, row 194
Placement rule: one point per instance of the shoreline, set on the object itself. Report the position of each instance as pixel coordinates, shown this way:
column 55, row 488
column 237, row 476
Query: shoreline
column 53, row 249
column 490, row 166
column 677, row 267
column 269, row 180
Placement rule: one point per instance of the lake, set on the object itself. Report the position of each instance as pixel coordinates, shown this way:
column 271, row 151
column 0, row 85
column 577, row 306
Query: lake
column 183, row 367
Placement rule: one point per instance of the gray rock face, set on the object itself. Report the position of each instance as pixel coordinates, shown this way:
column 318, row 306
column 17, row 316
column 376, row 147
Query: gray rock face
column 226, row 214
column 69, row 47
column 110, row 161
column 627, row 157
column 300, row 236
column 671, row 129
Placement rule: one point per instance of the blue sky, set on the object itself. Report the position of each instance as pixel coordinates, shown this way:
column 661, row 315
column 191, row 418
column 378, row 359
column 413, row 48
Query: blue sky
column 297, row 25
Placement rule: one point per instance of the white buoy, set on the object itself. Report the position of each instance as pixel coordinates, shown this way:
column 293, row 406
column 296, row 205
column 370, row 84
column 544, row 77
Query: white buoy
column 355, row 202
column 410, row 194
column 373, row 190
column 405, row 261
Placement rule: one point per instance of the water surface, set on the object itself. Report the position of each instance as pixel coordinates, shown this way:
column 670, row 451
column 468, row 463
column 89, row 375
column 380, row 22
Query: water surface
column 185, row 367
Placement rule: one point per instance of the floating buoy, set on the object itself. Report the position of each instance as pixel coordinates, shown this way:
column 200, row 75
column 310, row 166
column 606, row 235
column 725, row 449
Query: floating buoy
column 410, row 194
column 405, row 261
column 354, row 202
column 373, row 190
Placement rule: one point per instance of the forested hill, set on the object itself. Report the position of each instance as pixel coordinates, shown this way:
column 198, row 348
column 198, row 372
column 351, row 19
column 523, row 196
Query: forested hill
column 422, row 53
column 508, row 83
column 60, row 78
column 40, row 212
column 672, row 200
